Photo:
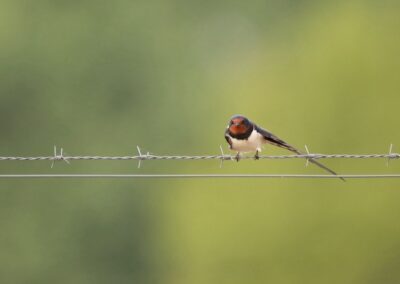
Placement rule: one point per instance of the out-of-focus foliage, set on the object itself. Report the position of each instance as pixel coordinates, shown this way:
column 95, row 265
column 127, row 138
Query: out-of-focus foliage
column 99, row 78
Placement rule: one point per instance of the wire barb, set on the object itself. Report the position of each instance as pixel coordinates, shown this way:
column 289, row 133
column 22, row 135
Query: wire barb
column 308, row 154
column 391, row 155
column 59, row 157
column 223, row 156
column 141, row 157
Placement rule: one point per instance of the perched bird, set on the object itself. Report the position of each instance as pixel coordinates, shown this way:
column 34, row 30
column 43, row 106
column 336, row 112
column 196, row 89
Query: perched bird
column 245, row 136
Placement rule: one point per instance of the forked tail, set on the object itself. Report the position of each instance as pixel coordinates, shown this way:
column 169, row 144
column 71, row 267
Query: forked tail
column 272, row 139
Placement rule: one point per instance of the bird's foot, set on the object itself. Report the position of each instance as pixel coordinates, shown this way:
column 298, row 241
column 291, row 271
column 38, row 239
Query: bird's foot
column 256, row 156
column 237, row 157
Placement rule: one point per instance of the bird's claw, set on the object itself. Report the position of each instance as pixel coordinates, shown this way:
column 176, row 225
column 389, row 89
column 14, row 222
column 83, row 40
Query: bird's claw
column 256, row 156
column 237, row 157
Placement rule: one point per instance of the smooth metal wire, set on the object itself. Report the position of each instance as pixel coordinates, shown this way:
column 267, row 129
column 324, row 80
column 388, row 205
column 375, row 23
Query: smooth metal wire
column 222, row 157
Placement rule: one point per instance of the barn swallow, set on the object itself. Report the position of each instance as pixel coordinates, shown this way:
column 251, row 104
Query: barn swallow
column 245, row 136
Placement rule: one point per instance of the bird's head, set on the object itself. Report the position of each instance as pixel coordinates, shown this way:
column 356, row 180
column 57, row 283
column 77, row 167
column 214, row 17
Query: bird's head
column 239, row 125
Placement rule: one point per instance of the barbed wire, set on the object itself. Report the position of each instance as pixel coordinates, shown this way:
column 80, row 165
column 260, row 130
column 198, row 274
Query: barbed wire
column 206, row 157
column 222, row 157
column 60, row 156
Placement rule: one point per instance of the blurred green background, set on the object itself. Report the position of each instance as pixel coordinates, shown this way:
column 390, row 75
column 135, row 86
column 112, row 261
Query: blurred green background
column 100, row 77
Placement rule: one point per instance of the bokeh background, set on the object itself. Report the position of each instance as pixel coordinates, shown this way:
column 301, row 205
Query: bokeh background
column 100, row 77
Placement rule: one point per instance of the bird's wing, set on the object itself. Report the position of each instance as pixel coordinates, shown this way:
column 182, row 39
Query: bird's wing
column 228, row 138
column 274, row 140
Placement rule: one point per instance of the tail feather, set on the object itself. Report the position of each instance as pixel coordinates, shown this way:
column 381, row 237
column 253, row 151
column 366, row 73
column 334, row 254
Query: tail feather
column 313, row 161
column 272, row 139
column 325, row 168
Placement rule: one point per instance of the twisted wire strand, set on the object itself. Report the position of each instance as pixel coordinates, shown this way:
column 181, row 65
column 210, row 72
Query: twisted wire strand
column 222, row 157
column 197, row 176
column 201, row 157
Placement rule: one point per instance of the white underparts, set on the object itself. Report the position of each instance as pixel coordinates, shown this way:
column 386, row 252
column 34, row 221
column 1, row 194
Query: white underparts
column 251, row 144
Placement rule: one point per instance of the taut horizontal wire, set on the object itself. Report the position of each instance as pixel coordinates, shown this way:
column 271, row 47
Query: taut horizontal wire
column 205, row 157
column 222, row 157
column 195, row 176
